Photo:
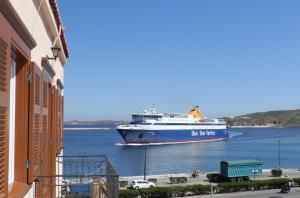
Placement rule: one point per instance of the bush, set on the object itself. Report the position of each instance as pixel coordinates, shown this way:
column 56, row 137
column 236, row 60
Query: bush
column 197, row 189
column 123, row 183
column 154, row 180
column 182, row 179
column 276, row 172
column 297, row 181
column 162, row 192
column 252, row 185
column 177, row 180
column 128, row 193
column 213, row 177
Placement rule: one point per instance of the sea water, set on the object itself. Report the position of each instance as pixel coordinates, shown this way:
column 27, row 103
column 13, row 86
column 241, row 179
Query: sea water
column 244, row 144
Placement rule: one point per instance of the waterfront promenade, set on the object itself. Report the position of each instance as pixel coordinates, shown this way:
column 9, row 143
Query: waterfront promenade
column 163, row 180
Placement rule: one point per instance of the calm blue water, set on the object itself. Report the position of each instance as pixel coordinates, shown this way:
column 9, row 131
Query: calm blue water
column 261, row 144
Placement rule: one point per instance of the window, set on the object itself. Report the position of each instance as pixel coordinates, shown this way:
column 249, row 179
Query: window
column 12, row 112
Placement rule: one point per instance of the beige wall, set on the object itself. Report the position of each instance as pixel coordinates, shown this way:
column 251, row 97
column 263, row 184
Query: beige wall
column 43, row 28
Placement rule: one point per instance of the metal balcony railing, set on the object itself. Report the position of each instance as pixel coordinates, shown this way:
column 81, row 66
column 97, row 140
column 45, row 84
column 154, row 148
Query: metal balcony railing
column 81, row 176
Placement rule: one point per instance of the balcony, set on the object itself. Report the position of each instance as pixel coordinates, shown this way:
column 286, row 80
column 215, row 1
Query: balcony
column 80, row 176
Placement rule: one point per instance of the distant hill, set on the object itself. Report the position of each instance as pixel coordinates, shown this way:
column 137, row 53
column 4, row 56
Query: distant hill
column 98, row 122
column 283, row 118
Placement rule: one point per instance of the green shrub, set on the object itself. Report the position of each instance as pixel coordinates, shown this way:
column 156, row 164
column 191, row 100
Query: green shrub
column 162, row 192
column 176, row 191
column 177, row 180
column 276, row 172
column 154, row 180
column 123, row 183
column 233, row 187
column 182, row 179
column 128, row 193
column 252, row 185
column 197, row 189
column 213, row 177
column 297, row 181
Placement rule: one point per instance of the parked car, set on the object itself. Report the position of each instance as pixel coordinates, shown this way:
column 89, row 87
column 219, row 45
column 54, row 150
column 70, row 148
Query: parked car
column 137, row 184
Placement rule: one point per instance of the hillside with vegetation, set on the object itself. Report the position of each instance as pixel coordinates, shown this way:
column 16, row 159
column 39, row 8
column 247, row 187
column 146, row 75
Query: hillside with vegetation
column 283, row 118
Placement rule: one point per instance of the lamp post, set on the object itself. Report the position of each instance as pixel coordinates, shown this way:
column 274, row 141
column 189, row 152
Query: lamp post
column 254, row 172
column 145, row 160
column 279, row 141
column 212, row 189
column 141, row 137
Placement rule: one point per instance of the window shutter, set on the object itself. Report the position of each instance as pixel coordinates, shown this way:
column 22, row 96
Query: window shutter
column 37, row 189
column 35, row 122
column 22, row 122
column 58, row 118
column 53, row 120
column 4, row 108
column 53, row 135
column 59, row 142
column 45, row 135
column 62, row 122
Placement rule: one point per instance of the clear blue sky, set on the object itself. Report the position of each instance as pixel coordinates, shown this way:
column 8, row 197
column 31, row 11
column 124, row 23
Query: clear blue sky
column 229, row 57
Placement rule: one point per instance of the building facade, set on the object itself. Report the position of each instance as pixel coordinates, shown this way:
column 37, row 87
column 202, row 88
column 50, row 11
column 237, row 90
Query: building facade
column 33, row 52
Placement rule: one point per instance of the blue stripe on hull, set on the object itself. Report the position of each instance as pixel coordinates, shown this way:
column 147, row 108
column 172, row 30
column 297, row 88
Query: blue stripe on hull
column 168, row 136
column 180, row 124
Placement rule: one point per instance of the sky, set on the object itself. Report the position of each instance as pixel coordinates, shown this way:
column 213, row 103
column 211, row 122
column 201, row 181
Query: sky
column 230, row 57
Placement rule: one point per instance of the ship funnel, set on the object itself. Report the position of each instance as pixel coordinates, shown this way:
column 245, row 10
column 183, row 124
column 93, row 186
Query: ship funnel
column 195, row 112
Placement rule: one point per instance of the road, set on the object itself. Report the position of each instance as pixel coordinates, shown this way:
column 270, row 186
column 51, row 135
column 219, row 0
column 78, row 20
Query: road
column 295, row 193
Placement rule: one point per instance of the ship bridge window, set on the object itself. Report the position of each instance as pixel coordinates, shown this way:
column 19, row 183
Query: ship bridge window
column 152, row 117
column 146, row 117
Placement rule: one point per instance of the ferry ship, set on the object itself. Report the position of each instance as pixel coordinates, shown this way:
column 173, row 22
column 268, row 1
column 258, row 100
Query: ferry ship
column 151, row 127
